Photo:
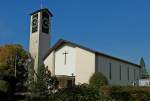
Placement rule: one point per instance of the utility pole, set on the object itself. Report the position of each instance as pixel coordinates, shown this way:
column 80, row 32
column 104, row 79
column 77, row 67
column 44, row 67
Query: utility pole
column 15, row 63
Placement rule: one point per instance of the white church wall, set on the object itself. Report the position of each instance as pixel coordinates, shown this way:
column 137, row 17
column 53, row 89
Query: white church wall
column 85, row 65
column 117, row 77
column 60, row 67
column 49, row 62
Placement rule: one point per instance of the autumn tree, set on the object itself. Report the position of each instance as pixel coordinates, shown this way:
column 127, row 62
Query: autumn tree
column 13, row 62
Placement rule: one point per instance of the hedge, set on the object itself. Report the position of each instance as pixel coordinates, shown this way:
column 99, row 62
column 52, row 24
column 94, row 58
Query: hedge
column 127, row 93
column 82, row 92
column 4, row 86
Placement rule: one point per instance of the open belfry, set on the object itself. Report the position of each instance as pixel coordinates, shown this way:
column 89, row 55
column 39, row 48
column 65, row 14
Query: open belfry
column 73, row 63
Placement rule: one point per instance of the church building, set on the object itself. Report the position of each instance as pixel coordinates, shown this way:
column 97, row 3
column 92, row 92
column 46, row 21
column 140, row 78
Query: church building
column 73, row 63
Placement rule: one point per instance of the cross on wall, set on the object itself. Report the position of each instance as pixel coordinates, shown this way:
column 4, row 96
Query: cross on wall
column 65, row 53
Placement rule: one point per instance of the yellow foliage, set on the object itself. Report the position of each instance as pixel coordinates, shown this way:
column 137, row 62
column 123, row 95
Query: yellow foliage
column 8, row 53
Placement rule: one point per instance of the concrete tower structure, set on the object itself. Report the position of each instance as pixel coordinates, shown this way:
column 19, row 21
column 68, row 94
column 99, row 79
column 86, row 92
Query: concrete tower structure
column 40, row 28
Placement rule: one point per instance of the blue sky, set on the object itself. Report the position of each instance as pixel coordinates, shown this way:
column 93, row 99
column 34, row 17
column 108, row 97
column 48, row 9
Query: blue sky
column 117, row 27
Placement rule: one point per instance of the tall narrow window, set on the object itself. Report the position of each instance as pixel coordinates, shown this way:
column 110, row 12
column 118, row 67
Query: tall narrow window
column 120, row 72
column 128, row 73
column 134, row 73
column 110, row 68
column 35, row 23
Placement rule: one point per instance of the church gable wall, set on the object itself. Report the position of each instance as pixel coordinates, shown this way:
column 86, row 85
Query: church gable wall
column 85, row 65
column 65, row 60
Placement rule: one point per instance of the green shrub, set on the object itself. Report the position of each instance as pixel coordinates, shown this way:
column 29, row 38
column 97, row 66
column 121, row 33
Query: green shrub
column 97, row 80
column 127, row 93
column 82, row 92
column 4, row 86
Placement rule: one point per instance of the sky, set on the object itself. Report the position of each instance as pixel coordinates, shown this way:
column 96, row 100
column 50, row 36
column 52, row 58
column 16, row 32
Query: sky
column 119, row 28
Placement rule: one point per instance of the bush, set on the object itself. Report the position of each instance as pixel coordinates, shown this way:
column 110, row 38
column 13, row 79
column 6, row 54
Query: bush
column 97, row 80
column 82, row 92
column 4, row 86
column 7, row 87
column 127, row 93
column 5, row 91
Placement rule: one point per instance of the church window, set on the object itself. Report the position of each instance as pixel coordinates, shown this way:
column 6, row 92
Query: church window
column 120, row 72
column 110, row 71
column 128, row 73
column 134, row 73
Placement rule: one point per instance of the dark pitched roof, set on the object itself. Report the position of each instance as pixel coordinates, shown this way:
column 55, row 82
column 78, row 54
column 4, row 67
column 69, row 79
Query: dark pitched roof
column 40, row 10
column 62, row 41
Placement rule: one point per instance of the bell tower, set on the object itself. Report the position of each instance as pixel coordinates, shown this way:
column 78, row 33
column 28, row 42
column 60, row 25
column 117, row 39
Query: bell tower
column 40, row 35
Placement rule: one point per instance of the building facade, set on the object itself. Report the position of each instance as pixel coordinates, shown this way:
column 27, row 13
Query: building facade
column 67, row 59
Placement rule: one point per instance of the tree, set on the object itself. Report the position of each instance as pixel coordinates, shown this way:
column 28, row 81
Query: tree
column 11, row 53
column 97, row 80
column 41, row 85
column 7, row 87
column 13, row 62
column 4, row 86
column 144, row 73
